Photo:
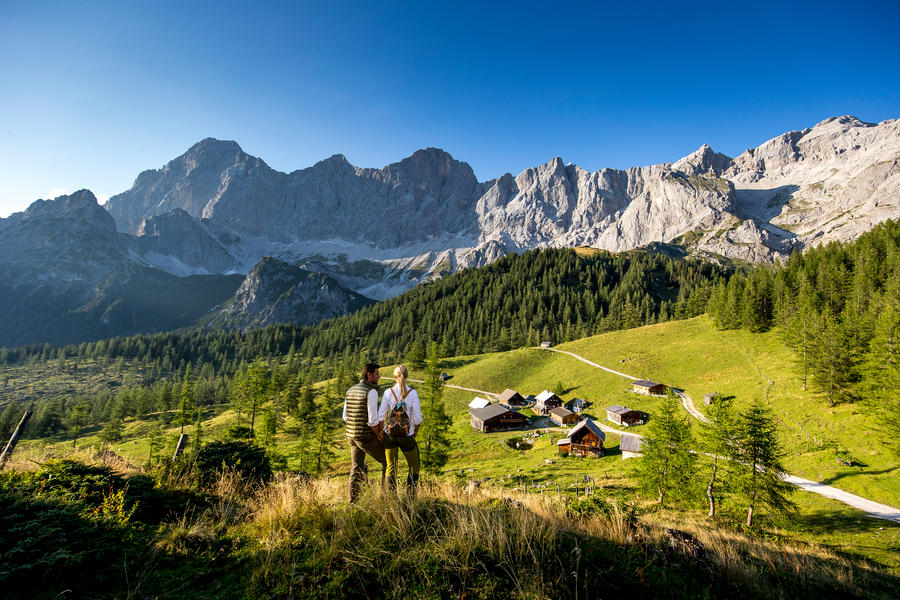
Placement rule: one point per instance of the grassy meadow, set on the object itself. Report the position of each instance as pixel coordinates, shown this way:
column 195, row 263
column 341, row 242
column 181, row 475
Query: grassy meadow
column 691, row 355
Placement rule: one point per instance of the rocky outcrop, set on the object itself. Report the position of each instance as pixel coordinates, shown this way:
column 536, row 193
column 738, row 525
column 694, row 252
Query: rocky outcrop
column 276, row 292
column 176, row 242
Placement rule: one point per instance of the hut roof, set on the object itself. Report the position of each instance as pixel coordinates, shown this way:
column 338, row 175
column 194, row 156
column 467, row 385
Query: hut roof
column 507, row 394
column 645, row 383
column 563, row 442
column 630, row 443
column 489, row 412
column 545, row 395
column 561, row 412
column 591, row 426
column 479, row 402
column 618, row 410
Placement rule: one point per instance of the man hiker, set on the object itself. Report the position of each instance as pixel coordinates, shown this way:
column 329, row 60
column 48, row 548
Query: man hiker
column 363, row 432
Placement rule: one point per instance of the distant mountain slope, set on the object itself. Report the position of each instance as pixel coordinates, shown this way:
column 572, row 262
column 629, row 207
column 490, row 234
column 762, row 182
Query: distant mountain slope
column 276, row 292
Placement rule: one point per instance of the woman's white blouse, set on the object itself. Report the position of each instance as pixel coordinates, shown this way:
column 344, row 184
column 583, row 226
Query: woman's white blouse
column 413, row 408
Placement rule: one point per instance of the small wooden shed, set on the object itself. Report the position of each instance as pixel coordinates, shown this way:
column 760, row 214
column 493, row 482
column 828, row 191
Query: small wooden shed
column 630, row 445
column 496, row 418
column 585, row 439
column 563, row 416
column 546, row 344
column 512, row 399
column 622, row 415
column 546, row 401
column 647, row 387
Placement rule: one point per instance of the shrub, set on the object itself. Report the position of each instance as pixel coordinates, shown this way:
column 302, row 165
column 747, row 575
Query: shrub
column 247, row 459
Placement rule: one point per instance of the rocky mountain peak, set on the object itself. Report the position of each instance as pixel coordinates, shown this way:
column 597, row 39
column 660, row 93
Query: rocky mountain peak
column 80, row 209
column 703, row 161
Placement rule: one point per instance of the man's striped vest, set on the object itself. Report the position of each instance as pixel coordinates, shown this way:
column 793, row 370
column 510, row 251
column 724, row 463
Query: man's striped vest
column 358, row 411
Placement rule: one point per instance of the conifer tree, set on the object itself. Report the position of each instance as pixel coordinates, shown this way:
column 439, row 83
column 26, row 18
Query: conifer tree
column 667, row 463
column 719, row 440
column 434, row 443
column 253, row 389
column 834, row 365
column 759, row 478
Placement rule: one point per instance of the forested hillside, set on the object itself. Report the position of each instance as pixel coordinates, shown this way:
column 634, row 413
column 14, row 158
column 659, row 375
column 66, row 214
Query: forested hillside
column 838, row 307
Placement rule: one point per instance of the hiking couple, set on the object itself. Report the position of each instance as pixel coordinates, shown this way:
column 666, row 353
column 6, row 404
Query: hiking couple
column 380, row 431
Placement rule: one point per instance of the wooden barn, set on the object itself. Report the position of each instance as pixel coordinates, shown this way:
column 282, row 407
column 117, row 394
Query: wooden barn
column 563, row 416
column 585, row 439
column 546, row 401
column 622, row 415
column 647, row 387
column 630, row 445
column 496, row 418
column 512, row 399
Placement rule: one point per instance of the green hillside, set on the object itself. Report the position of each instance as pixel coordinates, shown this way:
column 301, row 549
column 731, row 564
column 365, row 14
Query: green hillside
column 689, row 354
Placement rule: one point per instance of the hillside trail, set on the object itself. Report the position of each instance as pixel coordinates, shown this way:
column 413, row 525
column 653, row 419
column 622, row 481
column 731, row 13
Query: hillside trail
column 870, row 507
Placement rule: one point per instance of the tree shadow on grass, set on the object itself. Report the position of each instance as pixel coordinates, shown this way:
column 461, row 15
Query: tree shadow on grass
column 455, row 363
column 854, row 473
column 823, row 522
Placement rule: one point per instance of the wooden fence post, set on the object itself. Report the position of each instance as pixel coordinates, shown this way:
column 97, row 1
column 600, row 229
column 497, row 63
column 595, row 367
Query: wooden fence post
column 179, row 447
column 10, row 446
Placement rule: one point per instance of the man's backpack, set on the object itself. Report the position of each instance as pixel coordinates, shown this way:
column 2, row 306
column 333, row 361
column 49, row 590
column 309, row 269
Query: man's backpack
column 396, row 422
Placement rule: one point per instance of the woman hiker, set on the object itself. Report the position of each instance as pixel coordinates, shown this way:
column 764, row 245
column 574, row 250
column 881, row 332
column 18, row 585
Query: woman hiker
column 401, row 414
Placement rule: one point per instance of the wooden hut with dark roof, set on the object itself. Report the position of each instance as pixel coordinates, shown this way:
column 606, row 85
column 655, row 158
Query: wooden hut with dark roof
column 647, row 387
column 495, row 418
column 585, row 439
column 563, row 416
column 512, row 399
column 622, row 415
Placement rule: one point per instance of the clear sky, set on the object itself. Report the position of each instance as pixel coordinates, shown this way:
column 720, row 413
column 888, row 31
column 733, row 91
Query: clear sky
column 92, row 93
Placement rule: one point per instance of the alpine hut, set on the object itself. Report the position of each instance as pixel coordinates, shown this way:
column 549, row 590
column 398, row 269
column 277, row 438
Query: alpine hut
column 563, row 416
column 622, row 415
column 512, row 399
column 647, row 387
column 546, row 401
column 496, row 417
column 630, row 445
column 585, row 439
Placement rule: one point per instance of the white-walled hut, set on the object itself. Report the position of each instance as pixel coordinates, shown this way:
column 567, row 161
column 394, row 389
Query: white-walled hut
column 585, row 439
column 495, row 418
column 630, row 445
column 546, row 401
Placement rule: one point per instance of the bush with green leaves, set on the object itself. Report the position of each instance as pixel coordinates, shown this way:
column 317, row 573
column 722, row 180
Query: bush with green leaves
column 245, row 458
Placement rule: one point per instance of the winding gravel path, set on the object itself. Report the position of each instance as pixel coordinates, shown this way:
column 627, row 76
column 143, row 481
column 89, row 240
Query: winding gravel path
column 870, row 507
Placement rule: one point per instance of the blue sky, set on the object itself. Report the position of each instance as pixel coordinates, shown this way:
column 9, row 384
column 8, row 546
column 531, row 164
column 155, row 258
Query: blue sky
column 93, row 93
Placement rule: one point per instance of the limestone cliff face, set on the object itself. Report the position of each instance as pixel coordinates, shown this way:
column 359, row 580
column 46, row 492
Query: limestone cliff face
column 176, row 237
column 831, row 181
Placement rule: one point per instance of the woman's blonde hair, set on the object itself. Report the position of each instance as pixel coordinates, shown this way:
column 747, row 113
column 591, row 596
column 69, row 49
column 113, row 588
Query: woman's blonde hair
column 400, row 375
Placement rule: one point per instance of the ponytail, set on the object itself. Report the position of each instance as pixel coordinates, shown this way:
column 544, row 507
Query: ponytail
column 400, row 375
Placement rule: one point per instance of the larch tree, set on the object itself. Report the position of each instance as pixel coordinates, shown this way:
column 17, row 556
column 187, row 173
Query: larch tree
column 759, row 479
column 667, row 463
